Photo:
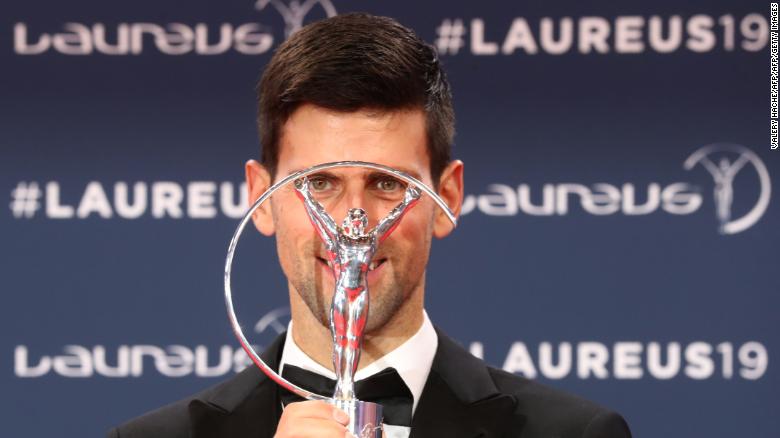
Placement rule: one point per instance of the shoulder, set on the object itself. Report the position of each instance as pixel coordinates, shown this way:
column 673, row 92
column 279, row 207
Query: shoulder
column 538, row 410
column 174, row 420
column 547, row 411
column 169, row 421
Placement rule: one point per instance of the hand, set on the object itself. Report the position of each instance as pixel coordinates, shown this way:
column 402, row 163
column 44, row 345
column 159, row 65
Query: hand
column 302, row 184
column 314, row 419
column 411, row 194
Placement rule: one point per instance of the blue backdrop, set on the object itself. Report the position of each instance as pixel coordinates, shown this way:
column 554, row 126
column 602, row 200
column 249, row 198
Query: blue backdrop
column 619, row 174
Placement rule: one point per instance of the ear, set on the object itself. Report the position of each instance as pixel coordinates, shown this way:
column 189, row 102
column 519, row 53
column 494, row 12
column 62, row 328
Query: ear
column 258, row 180
column 451, row 191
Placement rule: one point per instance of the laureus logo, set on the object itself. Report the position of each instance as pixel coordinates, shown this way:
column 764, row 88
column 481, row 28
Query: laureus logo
column 294, row 12
column 724, row 161
column 173, row 38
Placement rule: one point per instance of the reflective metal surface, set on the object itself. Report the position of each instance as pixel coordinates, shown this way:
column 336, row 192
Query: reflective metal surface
column 350, row 250
column 365, row 418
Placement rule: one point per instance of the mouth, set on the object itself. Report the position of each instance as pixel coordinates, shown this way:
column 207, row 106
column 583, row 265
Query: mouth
column 324, row 262
column 376, row 263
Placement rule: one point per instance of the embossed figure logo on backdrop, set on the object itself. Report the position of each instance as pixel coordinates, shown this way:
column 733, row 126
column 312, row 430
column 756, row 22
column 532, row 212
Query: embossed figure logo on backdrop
column 294, row 12
column 724, row 162
column 271, row 325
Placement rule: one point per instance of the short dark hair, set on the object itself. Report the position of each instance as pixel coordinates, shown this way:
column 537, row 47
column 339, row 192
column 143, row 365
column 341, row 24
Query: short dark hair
column 350, row 62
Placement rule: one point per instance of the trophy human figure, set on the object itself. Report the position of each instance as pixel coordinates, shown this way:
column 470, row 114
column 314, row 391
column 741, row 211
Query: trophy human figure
column 350, row 249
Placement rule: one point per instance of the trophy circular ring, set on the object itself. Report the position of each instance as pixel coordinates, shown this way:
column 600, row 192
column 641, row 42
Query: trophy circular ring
column 247, row 347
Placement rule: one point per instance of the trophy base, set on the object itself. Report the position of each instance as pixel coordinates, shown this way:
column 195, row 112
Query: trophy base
column 365, row 418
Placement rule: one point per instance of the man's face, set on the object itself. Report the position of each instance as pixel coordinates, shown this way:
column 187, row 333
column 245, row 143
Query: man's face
column 314, row 135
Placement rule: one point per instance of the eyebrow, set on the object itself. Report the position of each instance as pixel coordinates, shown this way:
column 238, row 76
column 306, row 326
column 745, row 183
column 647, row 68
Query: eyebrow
column 372, row 175
column 376, row 175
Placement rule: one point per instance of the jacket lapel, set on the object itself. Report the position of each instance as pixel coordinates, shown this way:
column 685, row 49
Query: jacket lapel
column 460, row 399
column 246, row 406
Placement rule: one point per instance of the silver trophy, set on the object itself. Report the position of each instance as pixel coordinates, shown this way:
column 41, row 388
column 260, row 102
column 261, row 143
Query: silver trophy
column 350, row 249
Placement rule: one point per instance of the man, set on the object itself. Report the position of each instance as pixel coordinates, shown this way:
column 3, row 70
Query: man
column 358, row 87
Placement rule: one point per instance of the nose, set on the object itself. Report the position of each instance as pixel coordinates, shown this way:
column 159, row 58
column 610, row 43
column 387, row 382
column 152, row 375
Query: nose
column 355, row 195
column 353, row 199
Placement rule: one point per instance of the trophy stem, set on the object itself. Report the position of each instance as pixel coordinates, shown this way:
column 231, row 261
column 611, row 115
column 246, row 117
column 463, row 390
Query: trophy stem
column 365, row 418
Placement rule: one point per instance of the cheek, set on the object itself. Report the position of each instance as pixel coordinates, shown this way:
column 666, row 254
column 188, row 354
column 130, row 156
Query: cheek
column 291, row 228
column 283, row 249
column 414, row 231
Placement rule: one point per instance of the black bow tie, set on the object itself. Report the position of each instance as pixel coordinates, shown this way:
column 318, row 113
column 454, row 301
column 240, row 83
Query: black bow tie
column 385, row 387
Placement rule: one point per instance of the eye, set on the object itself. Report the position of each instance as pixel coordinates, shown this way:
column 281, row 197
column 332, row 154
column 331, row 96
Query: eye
column 319, row 184
column 388, row 184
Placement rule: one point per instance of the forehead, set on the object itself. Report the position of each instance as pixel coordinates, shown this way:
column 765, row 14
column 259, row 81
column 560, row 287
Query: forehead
column 315, row 135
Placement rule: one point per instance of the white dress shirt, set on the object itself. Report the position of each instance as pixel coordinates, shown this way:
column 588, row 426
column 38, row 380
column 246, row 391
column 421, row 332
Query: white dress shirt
column 412, row 360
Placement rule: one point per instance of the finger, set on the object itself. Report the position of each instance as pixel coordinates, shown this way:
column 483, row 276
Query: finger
column 311, row 428
column 316, row 409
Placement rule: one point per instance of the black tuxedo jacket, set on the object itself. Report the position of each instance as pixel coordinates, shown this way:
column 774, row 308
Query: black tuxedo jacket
column 462, row 398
